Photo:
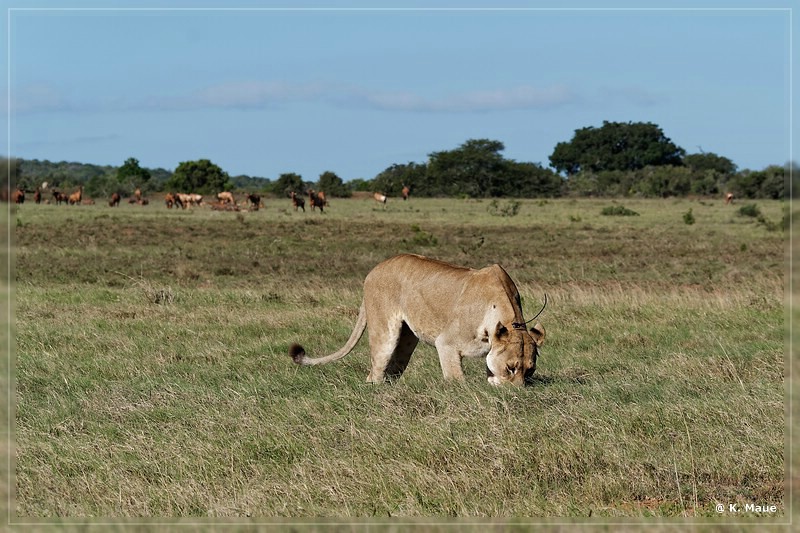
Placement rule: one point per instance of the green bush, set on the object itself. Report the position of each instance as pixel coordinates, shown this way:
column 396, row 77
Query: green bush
column 750, row 210
column 688, row 217
column 422, row 238
column 510, row 209
column 619, row 211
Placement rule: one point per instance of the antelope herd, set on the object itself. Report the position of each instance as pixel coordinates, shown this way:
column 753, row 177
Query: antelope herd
column 225, row 200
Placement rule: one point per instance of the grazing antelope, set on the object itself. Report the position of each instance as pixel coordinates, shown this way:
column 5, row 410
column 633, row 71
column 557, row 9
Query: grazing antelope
column 184, row 200
column 380, row 198
column 37, row 196
column 115, row 198
column 255, row 201
column 406, row 192
column 297, row 201
column 173, row 199
column 189, row 199
column 226, row 197
column 314, row 201
column 18, row 196
column 729, row 198
column 60, row 197
column 75, row 198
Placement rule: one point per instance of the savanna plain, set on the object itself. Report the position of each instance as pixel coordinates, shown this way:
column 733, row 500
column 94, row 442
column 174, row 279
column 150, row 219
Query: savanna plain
column 152, row 378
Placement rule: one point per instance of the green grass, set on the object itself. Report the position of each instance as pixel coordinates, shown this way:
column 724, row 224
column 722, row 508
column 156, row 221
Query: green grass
column 152, row 376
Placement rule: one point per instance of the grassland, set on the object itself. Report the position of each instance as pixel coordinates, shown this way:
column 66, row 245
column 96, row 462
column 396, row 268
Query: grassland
column 152, row 378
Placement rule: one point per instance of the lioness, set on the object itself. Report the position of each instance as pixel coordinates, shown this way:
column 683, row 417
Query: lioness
column 461, row 311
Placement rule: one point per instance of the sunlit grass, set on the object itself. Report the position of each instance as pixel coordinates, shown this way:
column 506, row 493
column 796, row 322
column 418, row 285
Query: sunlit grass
column 659, row 391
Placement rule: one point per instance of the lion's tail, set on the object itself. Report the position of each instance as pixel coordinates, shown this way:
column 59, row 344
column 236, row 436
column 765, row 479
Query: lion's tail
column 298, row 353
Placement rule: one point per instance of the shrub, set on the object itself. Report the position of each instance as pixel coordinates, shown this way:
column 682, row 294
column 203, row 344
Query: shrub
column 423, row 238
column 750, row 210
column 510, row 209
column 688, row 217
column 619, row 211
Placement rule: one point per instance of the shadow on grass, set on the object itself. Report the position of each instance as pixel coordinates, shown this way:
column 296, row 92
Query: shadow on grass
column 571, row 377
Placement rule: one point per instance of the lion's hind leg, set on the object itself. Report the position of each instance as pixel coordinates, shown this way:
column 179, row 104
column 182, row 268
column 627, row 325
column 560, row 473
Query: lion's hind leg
column 391, row 353
column 406, row 343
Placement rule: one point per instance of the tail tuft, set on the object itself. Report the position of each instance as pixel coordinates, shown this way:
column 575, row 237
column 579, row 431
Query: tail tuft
column 297, row 353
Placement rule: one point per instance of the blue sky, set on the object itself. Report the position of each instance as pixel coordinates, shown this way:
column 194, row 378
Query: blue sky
column 353, row 91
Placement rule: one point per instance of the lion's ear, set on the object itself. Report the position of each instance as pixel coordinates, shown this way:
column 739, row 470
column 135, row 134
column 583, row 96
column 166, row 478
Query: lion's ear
column 537, row 332
column 500, row 331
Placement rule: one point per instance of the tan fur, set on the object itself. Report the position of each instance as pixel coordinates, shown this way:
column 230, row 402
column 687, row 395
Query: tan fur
column 226, row 197
column 460, row 311
column 75, row 198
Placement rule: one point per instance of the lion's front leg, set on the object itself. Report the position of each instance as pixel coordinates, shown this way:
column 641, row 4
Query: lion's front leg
column 449, row 359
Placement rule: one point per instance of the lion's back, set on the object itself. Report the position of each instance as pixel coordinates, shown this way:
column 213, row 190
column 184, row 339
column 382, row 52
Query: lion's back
column 415, row 272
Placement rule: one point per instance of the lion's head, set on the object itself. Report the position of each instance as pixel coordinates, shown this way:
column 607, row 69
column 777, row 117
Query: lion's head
column 512, row 358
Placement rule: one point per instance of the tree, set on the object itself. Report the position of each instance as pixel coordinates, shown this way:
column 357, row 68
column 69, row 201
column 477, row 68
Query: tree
column 250, row 183
column 774, row 184
column 709, row 161
column 333, row 185
column 288, row 182
column 202, row 176
column 531, row 180
column 102, row 186
column 767, row 183
column 707, row 182
column 131, row 175
column 392, row 180
column 474, row 169
column 616, row 146
column 360, row 184
column 710, row 172
column 662, row 181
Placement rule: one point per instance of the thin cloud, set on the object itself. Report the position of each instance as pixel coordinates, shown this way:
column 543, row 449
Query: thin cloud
column 515, row 98
column 254, row 95
column 71, row 141
column 632, row 95
column 38, row 97
column 265, row 95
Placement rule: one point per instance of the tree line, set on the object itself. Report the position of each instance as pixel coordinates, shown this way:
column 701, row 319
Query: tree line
column 615, row 159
